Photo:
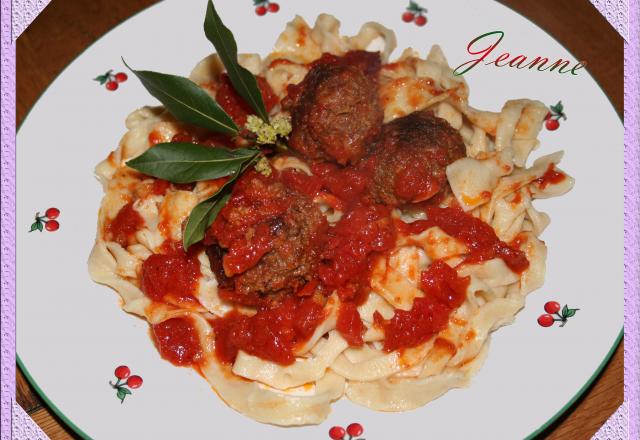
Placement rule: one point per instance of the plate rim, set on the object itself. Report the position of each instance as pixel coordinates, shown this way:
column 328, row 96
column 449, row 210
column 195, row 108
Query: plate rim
column 78, row 431
column 533, row 435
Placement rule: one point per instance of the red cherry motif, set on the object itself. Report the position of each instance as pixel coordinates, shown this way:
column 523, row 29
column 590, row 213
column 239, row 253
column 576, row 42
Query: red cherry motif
column 111, row 80
column 122, row 372
column 552, row 124
column 556, row 314
column 355, row 429
column 261, row 10
column 273, row 7
column 52, row 213
column 552, row 119
column 52, row 226
column 545, row 320
column 552, row 307
column 121, row 77
column 46, row 221
column 134, row 382
column 408, row 17
column 125, row 383
column 415, row 13
column 337, row 433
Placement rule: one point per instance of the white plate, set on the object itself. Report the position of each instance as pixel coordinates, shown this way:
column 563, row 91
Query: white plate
column 71, row 332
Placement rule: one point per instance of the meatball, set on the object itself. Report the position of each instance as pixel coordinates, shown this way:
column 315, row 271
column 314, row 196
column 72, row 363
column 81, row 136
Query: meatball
column 265, row 240
column 293, row 260
column 408, row 162
column 335, row 111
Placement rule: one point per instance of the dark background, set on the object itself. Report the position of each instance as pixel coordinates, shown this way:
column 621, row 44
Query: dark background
column 66, row 27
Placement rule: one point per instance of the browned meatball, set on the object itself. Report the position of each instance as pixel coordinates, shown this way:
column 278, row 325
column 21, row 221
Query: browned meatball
column 292, row 262
column 265, row 240
column 408, row 162
column 335, row 110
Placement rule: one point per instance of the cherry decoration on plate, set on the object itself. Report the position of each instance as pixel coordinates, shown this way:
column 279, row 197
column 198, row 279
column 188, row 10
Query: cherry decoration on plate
column 46, row 221
column 125, row 382
column 415, row 14
column 264, row 6
column 553, row 308
column 552, row 119
column 353, row 432
column 111, row 80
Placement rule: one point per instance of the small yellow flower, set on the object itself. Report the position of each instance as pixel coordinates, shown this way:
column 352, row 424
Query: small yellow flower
column 282, row 126
column 263, row 166
column 253, row 123
column 268, row 133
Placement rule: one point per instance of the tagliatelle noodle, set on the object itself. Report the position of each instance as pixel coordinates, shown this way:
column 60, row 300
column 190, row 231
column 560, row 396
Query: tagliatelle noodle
column 492, row 183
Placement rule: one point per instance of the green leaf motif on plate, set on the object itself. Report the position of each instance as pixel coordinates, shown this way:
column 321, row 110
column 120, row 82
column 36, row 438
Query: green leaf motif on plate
column 186, row 101
column 36, row 226
column 103, row 78
column 243, row 81
column 186, row 163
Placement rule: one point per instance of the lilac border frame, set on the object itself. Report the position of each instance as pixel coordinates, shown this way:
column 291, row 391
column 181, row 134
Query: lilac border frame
column 627, row 25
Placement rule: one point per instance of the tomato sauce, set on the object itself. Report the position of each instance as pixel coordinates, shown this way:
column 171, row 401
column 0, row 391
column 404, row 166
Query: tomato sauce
column 350, row 325
column 155, row 138
column 270, row 334
column 234, row 104
column 444, row 292
column 160, row 186
column 212, row 139
column 172, row 275
column 124, row 226
column 364, row 232
column 550, row 177
column 348, row 184
column 280, row 62
column 480, row 238
column 177, row 341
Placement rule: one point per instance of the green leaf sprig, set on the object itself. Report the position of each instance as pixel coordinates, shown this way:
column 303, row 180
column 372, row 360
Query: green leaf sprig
column 186, row 163
column 187, row 102
column 243, row 81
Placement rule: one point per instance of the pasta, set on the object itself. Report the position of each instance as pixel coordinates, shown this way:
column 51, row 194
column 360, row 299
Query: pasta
column 491, row 184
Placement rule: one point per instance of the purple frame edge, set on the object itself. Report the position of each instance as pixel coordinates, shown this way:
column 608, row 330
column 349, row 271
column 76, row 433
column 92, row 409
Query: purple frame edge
column 631, row 208
column 631, row 220
column 8, row 221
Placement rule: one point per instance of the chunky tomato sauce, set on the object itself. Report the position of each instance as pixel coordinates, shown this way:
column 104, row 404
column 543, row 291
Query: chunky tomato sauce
column 480, row 238
column 349, row 324
column 270, row 334
column 124, row 226
column 235, row 106
column 177, row 341
column 550, row 177
column 171, row 276
column 443, row 291
column 362, row 233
